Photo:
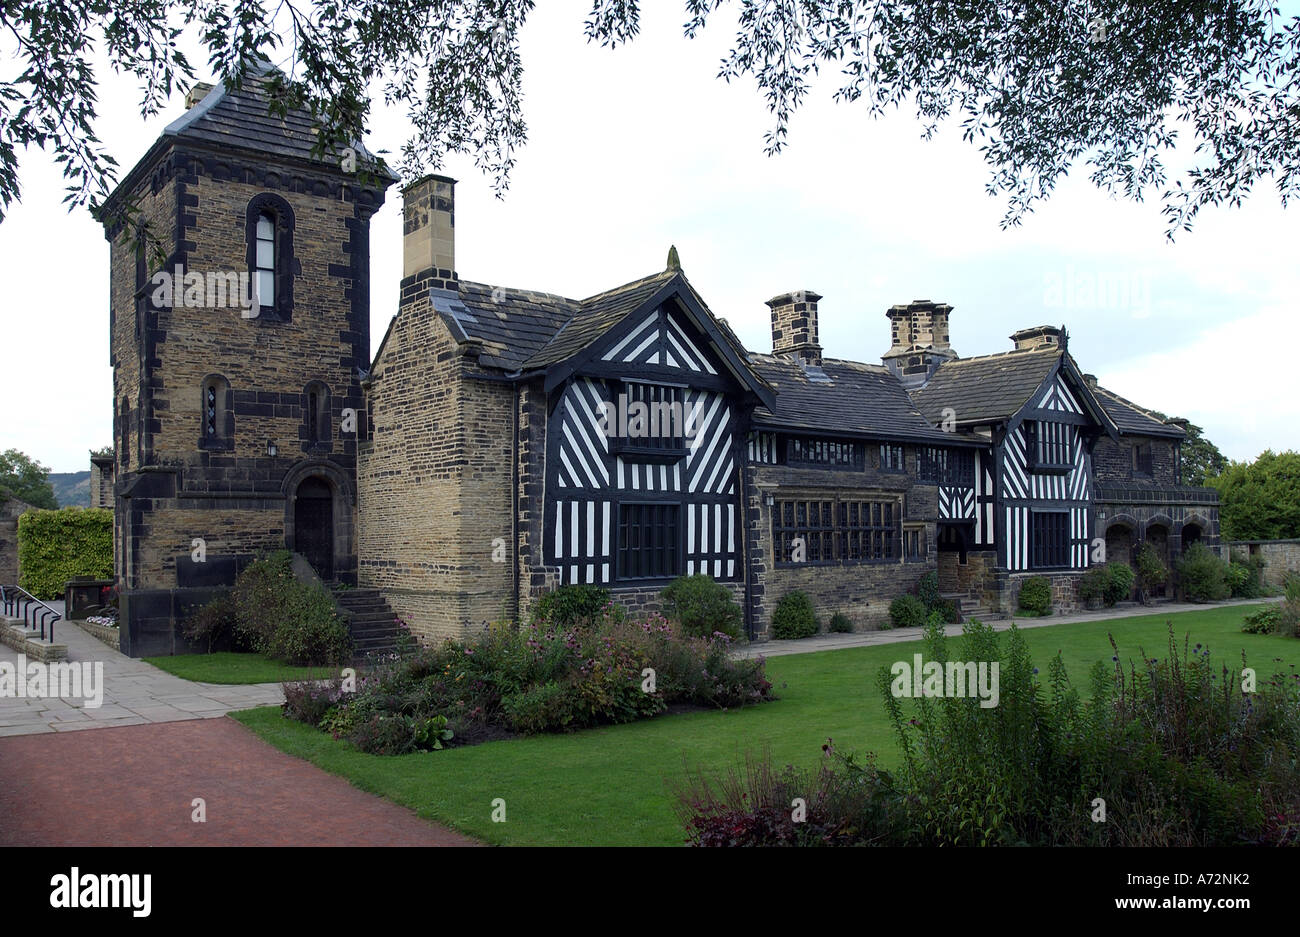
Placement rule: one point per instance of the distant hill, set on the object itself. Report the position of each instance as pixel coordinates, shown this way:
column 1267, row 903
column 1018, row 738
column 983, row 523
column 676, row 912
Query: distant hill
column 71, row 489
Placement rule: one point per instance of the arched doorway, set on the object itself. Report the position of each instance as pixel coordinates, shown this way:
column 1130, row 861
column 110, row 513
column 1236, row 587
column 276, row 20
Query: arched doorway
column 1191, row 534
column 1119, row 543
column 313, row 525
column 1158, row 537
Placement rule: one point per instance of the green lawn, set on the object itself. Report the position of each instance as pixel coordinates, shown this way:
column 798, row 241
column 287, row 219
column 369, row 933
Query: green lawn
column 608, row 786
column 229, row 667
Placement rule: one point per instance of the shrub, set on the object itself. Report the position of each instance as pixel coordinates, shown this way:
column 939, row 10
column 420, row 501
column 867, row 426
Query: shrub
column 907, row 611
column 840, row 624
column 1151, row 569
column 291, row 621
column 55, row 546
column 1267, row 620
column 1093, row 583
column 310, row 701
column 536, row 679
column 1246, row 577
column 1036, row 595
column 568, row 606
column 212, row 625
column 947, row 610
column 794, row 617
column 1204, row 577
column 702, row 606
column 927, row 589
column 1119, row 582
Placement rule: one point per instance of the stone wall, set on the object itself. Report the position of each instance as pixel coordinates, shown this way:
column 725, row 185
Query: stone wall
column 860, row 591
column 1281, row 557
column 435, row 481
column 1005, row 595
column 1113, row 462
column 176, row 483
column 10, row 508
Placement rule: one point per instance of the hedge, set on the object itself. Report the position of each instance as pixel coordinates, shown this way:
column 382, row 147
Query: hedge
column 55, row 546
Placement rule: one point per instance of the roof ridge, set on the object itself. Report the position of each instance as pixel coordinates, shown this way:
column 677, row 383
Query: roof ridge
column 522, row 291
column 666, row 274
column 1129, row 403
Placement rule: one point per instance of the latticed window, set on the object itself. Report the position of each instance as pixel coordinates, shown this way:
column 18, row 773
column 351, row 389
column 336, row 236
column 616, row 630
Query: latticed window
column 210, row 410
column 891, row 458
column 650, row 419
column 216, row 430
column 1047, row 445
column 1049, row 539
column 1142, row 462
column 648, row 541
column 829, row 530
column 824, row 452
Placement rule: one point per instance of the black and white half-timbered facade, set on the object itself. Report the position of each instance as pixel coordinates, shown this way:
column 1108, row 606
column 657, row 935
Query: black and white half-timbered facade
column 519, row 441
column 503, row 442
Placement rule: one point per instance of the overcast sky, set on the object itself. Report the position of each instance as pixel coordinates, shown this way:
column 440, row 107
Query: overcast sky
column 634, row 149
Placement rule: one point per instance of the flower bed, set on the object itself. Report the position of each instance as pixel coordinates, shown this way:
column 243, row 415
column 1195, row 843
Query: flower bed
column 529, row 680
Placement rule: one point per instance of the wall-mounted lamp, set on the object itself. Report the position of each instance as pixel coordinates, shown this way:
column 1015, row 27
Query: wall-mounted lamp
column 271, row 448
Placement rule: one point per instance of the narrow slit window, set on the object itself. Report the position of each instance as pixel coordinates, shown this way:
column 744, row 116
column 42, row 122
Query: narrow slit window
column 265, row 271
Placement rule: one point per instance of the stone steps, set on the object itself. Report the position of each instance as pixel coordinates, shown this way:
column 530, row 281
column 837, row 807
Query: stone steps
column 371, row 621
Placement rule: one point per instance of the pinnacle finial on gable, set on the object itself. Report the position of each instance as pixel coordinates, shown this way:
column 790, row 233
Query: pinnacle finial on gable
column 674, row 262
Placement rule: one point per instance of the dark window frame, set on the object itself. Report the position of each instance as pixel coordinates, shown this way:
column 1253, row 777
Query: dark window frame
column 665, row 558
column 1048, row 447
column 216, row 428
column 1143, row 460
column 1049, row 539
column 656, row 447
column 893, row 458
column 286, row 266
column 823, row 453
column 837, row 529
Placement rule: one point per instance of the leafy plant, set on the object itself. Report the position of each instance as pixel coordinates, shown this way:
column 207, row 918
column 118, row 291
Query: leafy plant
column 907, row 611
column 55, row 546
column 794, row 617
column 212, row 625
column 1036, row 595
column 702, row 606
column 291, row 621
column 1151, row 569
column 1203, row 575
column 840, row 624
column 570, row 606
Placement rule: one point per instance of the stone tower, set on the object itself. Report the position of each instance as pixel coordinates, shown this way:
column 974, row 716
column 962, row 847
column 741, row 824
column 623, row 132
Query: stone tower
column 239, row 336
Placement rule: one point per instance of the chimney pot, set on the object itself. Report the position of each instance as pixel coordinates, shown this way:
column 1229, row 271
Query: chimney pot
column 429, row 227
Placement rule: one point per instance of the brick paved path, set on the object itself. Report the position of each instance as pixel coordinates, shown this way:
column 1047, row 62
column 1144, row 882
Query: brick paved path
column 134, row 785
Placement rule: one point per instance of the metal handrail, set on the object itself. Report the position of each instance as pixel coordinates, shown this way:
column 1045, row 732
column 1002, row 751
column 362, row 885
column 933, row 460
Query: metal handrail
column 19, row 603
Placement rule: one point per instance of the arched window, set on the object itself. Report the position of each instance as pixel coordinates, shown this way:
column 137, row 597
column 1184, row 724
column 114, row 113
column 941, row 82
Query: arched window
column 269, row 227
column 316, row 429
column 264, row 257
column 217, row 426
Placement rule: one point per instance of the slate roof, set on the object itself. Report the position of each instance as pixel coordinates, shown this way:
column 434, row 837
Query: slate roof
column 513, row 324
column 239, row 120
column 1132, row 419
column 987, row 388
column 861, row 399
column 595, row 316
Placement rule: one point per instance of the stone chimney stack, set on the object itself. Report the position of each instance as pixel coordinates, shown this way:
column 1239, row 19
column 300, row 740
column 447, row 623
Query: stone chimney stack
column 1040, row 336
column 918, row 341
column 794, row 326
column 429, row 229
